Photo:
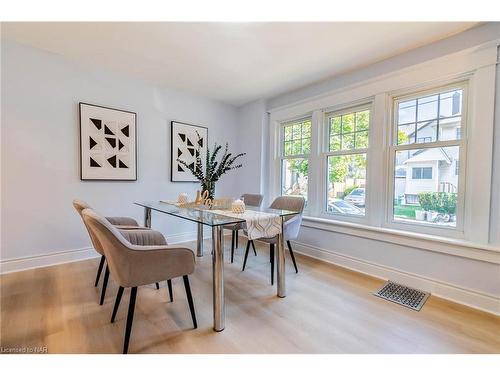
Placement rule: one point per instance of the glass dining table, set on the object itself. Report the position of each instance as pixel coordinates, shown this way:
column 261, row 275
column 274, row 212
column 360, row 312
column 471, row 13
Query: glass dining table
column 216, row 221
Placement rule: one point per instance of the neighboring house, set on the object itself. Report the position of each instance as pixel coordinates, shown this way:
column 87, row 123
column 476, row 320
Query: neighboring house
column 431, row 169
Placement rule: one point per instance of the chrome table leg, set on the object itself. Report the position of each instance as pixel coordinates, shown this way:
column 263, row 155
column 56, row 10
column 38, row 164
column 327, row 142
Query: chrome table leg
column 147, row 217
column 199, row 243
column 280, row 260
column 218, row 278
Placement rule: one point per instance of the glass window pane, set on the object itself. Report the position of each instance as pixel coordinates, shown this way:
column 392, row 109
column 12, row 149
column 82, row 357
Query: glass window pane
column 347, row 141
column 294, row 177
column 297, row 138
column 335, row 125
column 426, row 186
column 406, row 112
column 427, row 173
column 296, row 147
column 335, row 144
column 450, row 103
column 346, row 184
column 306, row 129
column 362, row 120
column 306, row 146
column 406, row 134
column 348, row 123
column 427, row 108
column 361, row 139
column 450, row 128
column 431, row 125
column 416, row 173
column 427, row 131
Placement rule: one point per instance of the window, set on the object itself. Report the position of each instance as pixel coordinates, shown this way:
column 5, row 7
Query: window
column 346, row 160
column 296, row 147
column 422, row 173
column 426, row 144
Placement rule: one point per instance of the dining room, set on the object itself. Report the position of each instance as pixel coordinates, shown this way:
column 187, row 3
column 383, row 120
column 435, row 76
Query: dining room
column 204, row 188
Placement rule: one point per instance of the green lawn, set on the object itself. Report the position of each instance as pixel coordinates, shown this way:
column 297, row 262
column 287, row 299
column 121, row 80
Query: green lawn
column 406, row 210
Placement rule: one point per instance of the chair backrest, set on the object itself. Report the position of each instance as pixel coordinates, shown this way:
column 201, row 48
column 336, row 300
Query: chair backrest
column 80, row 206
column 113, row 243
column 252, row 199
column 292, row 223
column 289, row 202
column 134, row 265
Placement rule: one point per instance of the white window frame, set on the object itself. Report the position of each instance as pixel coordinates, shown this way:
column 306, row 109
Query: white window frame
column 281, row 150
column 325, row 153
column 417, row 226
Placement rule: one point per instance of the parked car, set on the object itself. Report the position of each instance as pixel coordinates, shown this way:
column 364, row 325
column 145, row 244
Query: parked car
column 338, row 206
column 356, row 197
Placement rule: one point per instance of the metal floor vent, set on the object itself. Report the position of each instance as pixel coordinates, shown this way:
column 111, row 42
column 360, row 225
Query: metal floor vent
column 403, row 295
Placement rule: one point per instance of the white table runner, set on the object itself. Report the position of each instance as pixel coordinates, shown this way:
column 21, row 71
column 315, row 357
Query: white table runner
column 259, row 224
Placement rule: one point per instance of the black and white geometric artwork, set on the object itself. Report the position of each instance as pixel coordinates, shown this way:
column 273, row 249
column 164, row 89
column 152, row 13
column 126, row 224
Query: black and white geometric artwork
column 183, row 143
column 107, row 144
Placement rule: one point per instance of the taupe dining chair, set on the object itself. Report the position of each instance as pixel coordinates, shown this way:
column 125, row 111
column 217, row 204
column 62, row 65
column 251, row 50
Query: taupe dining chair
column 126, row 224
column 290, row 230
column 254, row 200
column 132, row 266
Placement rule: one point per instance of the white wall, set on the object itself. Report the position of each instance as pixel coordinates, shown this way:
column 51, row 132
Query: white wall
column 40, row 150
column 252, row 120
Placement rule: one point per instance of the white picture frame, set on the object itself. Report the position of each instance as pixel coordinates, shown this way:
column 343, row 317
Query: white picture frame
column 183, row 144
column 108, row 144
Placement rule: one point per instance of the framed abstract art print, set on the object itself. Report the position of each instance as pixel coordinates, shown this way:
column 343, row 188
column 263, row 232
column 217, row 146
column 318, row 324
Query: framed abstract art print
column 108, row 148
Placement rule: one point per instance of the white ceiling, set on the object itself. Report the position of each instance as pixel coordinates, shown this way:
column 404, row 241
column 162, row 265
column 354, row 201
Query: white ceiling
column 232, row 62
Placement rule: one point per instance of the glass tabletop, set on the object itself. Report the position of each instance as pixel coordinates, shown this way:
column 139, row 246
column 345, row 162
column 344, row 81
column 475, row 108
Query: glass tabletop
column 205, row 216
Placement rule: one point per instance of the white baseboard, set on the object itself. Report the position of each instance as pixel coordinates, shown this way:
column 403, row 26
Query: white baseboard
column 468, row 297
column 44, row 260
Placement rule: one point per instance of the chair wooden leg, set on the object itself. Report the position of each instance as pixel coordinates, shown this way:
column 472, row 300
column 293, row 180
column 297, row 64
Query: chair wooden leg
column 271, row 251
column 170, row 293
column 246, row 255
column 130, row 318
column 233, row 242
column 117, row 303
column 104, row 285
column 99, row 270
column 190, row 299
column 293, row 256
column 253, row 246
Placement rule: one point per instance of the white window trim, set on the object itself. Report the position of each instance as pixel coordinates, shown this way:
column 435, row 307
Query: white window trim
column 416, row 226
column 478, row 65
column 325, row 153
column 281, row 152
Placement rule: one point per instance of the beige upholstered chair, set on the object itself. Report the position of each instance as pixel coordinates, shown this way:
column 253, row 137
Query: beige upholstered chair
column 142, row 236
column 254, row 200
column 133, row 265
column 290, row 230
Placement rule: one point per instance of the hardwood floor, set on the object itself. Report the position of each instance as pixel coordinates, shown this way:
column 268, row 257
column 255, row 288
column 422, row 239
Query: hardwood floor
column 328, row 310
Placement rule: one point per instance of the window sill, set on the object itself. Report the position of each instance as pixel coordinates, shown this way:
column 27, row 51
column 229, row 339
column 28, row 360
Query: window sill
column 457, row 247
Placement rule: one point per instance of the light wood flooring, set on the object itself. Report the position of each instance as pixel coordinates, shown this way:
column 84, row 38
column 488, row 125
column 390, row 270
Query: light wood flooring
column 328, row 310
